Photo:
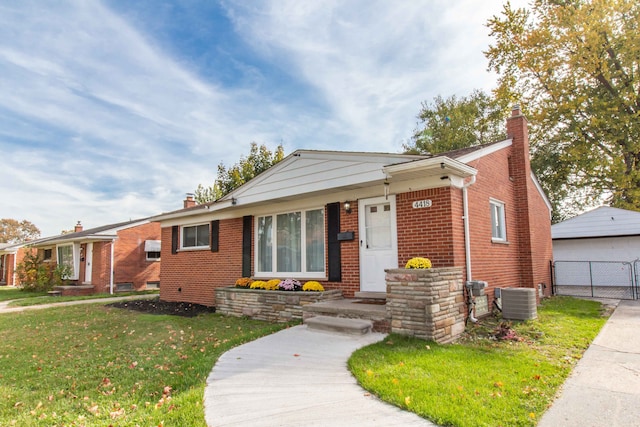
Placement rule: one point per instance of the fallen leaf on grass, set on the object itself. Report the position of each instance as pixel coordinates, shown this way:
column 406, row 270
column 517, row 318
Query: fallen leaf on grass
column 117, row 413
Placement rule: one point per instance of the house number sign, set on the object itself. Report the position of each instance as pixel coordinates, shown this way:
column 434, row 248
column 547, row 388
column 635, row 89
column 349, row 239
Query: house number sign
column 418, row 204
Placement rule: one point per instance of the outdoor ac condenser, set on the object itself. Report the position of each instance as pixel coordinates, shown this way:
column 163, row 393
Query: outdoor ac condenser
column 519, row 303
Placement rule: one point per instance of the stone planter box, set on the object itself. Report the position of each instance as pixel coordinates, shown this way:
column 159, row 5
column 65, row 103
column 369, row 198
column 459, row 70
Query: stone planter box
column 272, row 306
column 427, row 304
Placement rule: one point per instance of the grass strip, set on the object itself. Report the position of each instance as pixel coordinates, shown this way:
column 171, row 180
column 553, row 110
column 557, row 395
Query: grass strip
column 10, row 293
column 99, row 366
column 47, row 299
column 483, row 381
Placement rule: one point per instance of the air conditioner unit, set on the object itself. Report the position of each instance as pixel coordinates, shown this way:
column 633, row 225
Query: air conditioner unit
column 519, row 303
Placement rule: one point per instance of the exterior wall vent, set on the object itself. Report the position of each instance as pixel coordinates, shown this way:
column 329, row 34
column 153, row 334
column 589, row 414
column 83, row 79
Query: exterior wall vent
column 519, row 303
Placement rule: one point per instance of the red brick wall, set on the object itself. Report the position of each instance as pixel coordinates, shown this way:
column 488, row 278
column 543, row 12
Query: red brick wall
column 350, row 254
column 131, row 265
column 192, row 276
column 101, row 262
column 434, row 232
column 130, row 261
column 496, row 263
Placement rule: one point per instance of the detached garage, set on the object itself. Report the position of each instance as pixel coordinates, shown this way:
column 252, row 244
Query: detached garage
column 595, row 253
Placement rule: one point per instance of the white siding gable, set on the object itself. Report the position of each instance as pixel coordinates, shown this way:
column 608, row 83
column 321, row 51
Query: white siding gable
column 306, row 172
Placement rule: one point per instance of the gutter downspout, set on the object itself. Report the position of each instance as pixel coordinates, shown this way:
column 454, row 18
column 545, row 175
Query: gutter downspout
column 113, row 243
column 467, row 242
column 467, row 238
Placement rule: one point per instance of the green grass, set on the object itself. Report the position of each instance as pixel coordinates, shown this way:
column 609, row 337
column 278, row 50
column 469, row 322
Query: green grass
column 38, row 299
column 9, row 293
column 99, row 366
column 483, row 381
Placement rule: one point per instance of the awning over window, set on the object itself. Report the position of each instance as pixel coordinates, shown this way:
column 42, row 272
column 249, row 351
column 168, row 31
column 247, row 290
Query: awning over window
column 152, row 245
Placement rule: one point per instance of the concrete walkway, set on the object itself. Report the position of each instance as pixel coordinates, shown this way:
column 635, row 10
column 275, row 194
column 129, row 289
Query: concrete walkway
column 296, row 377
column 4, row 305
column 604, row 387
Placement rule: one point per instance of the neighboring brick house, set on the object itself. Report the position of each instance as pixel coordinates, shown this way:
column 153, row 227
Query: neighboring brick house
column 8, row 261
column 111, row 258
column 11, row 255
column 342, row 218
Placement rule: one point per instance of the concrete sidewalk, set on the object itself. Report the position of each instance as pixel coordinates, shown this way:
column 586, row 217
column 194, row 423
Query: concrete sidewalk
column 296, row 377
column 604, row 387
column 4, row 305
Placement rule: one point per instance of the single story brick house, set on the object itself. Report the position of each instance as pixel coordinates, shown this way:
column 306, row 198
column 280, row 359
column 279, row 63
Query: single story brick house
column 342, row 218
column 110, row 258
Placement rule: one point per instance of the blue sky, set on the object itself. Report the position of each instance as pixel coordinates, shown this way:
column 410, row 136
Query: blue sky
column 114, row 109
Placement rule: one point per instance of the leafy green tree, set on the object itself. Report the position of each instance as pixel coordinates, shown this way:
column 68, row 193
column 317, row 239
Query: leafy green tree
column 575, row 67
column 452, row 123
column 14, row 231
column 260, row 159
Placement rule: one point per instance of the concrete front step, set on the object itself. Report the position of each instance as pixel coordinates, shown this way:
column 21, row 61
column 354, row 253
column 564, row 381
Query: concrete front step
column 350, row 309
column 371, row 295
column 339, row 324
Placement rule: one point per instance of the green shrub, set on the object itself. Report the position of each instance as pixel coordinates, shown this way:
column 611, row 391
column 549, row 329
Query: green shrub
column 38, row 276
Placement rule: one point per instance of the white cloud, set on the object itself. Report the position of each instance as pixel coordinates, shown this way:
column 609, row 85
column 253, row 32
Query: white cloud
column 374, row 62
column 99, row 123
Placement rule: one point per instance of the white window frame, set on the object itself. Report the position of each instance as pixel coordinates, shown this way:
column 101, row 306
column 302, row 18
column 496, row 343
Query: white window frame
column 498, row 221
column 303, row 247
column 75, row 258
column 191, row 248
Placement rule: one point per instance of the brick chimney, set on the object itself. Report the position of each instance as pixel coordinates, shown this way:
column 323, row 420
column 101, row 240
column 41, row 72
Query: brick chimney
column 189, row 201
column 533, row 219
column 78, row 227
column 524, row 189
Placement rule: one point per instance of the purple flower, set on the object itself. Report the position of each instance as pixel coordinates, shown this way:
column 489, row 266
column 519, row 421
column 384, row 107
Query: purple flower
column 290, row 285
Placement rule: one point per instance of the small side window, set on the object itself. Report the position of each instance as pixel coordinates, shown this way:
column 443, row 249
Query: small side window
column 498, row 225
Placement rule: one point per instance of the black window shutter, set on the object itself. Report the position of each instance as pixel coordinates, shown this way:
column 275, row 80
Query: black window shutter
column 174, row 239
column 246, row 245
column 333, row 251
column 215, row 235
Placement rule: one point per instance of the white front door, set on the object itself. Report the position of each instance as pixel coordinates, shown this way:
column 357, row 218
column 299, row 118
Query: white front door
column 88, row 258
column 378, row 241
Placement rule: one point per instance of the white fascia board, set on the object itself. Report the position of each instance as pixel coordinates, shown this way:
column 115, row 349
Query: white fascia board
column 83, row 239
column 445, row 163
column 485, row 151
column 203, row 209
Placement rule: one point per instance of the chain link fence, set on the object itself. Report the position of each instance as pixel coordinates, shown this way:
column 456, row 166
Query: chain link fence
column 600, row 279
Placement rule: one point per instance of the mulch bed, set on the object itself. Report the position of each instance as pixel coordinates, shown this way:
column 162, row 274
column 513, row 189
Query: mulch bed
column 155, row 306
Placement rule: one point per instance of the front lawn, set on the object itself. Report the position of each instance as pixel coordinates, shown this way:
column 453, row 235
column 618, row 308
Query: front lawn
column 91, row 365
column 483, row 381
column 9, row 292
